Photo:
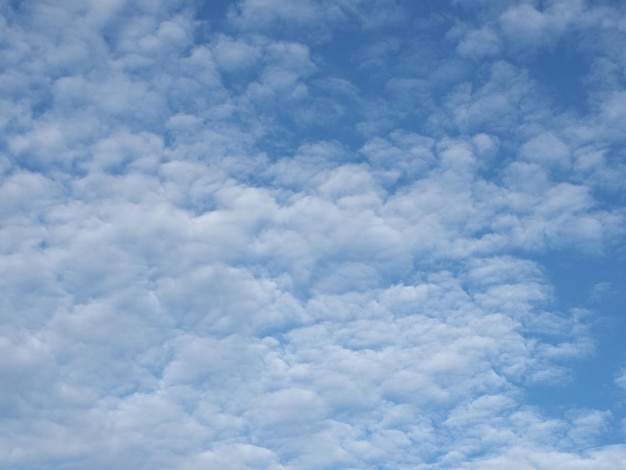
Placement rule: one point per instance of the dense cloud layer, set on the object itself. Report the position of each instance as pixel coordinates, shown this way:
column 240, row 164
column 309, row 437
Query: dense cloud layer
column 306, row 234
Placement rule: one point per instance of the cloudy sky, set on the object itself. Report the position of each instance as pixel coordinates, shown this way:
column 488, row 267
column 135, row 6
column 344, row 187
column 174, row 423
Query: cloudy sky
column 312, row 234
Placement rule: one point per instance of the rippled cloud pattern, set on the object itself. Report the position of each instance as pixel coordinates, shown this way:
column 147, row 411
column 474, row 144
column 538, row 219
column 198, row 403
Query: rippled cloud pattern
column 312, row 234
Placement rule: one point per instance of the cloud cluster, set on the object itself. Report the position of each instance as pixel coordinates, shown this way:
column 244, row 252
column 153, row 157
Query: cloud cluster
column 252, row 242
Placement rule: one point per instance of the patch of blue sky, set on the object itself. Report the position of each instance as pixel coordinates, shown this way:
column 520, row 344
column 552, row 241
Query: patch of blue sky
column 591, row 282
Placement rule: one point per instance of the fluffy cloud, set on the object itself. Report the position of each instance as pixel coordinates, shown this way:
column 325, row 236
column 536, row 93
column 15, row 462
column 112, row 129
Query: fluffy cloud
column 243, row 244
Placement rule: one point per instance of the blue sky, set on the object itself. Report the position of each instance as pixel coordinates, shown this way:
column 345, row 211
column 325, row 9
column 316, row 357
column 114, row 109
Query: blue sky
column 360, row 234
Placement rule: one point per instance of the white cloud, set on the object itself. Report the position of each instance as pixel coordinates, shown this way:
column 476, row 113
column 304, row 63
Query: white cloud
column 233, row 55
column 547, row 149
column 479, row 43
column 315, row 19
column 192, row 276
column 524, row 23
column 526, row 26
column 258, row 13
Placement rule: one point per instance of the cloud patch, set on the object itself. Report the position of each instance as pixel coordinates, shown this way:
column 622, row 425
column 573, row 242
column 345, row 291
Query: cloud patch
column 253, row 243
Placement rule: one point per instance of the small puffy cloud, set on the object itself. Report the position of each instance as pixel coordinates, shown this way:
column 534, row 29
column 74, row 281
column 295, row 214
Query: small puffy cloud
column 315, row 19
column 260, row 13
column 479, row 43
column 547, row 149
column 524, row 23
column 233, row 55
column 527, row 27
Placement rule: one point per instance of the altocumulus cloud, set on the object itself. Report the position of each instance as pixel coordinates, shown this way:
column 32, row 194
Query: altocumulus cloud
column 311, row 234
